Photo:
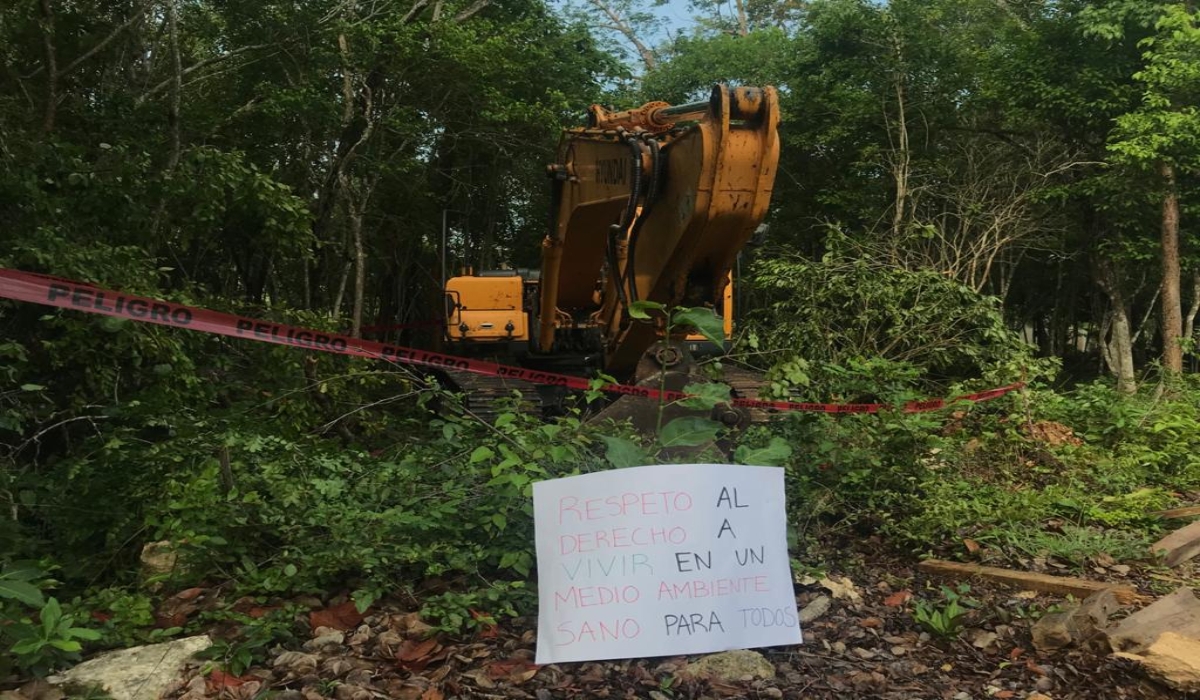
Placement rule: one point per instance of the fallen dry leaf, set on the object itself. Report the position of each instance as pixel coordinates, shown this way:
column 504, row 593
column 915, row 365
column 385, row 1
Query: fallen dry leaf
column 340, row 617
column 189, row 593
column 897, row 599
column 432, row 694
column 971, row 545
column 412, row 650
column 515, row 671
column 218, row 679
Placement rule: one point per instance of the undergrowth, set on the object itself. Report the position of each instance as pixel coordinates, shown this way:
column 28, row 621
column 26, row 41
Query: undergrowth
column 326, row 475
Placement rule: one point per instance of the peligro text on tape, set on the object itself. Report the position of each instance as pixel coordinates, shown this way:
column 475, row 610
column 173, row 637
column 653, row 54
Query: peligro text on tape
column 68, row 294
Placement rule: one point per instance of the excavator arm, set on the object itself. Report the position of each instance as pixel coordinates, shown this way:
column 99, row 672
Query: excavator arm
column 652, row 204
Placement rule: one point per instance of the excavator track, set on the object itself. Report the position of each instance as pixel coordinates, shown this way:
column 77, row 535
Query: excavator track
column 747, row 384
column 481, row 392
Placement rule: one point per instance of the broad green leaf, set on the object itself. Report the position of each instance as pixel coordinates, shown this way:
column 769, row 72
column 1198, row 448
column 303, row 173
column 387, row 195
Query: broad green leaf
column 32, row 387
column 363, row 599
column 27, row 646
column 23, row 592
column 51, row 614
column 290, row 570
column 85, row 633
column 705, row 395
column 641, row 309
column 623, row 453
column 68, row 645
column 689, row 431
column 22, row 570
column 709, row 324
column 481, row 453
column 775, row 454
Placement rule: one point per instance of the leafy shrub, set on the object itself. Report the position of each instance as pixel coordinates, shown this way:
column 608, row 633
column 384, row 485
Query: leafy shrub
column 944, row 619
column 845, row 308
column 36, row 632
column 1073, row 545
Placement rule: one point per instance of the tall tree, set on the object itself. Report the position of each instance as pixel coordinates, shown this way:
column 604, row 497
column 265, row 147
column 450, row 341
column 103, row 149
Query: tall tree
column 1163, row 136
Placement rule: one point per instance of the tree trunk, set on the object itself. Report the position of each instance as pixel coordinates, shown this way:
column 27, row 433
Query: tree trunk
column 903, row 158
column 360, row 266
column 1189, row 322
column 1118, row 345
column 1172, row 312
column 51, row 58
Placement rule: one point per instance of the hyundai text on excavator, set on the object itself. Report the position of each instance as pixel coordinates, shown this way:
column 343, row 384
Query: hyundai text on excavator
column 651, row 204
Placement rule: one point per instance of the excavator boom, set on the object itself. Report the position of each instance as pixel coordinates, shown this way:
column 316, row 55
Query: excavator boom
column 652, row 204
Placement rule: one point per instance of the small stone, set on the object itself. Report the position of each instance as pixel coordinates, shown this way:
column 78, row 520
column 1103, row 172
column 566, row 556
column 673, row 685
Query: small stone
column 656, row 695
column 772, row 692
column 964, row 695
column 1053, row 630
column 1121, row 569
column 899, row 650
column 1044, row 684
column 818, row 607
column 159, row 559
column 839, row 647
column 864, row 654
column 729, row 665
column 982, row 639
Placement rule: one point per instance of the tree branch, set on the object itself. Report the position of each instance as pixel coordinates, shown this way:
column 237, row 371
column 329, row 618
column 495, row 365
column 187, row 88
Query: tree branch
column 471, row 11
column 197, row 66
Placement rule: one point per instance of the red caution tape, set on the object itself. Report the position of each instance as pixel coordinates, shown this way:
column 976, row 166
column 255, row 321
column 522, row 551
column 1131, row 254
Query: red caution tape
column 67, row 294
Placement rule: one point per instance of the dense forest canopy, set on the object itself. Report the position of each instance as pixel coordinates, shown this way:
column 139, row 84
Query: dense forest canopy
column 313, row 156
column 971, row 192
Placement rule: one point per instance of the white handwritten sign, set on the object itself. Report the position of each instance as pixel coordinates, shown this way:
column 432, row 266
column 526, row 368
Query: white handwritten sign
column 658, row 561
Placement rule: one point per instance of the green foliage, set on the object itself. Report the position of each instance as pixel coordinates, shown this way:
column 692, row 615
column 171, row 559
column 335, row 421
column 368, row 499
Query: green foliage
column 704, row 320
column 688, row 431
column 36, row 633
column 479, row 608
column 130, row 616
column 845, row 311
column 252, row 641
column 774, row 454
column 944, row 618
column 15, row 584
column 1073, row 545
column 50, row 641
column 1167, row 126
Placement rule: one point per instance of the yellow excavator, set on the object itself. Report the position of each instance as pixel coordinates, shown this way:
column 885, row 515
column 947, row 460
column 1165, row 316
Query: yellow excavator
column 649, row 205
